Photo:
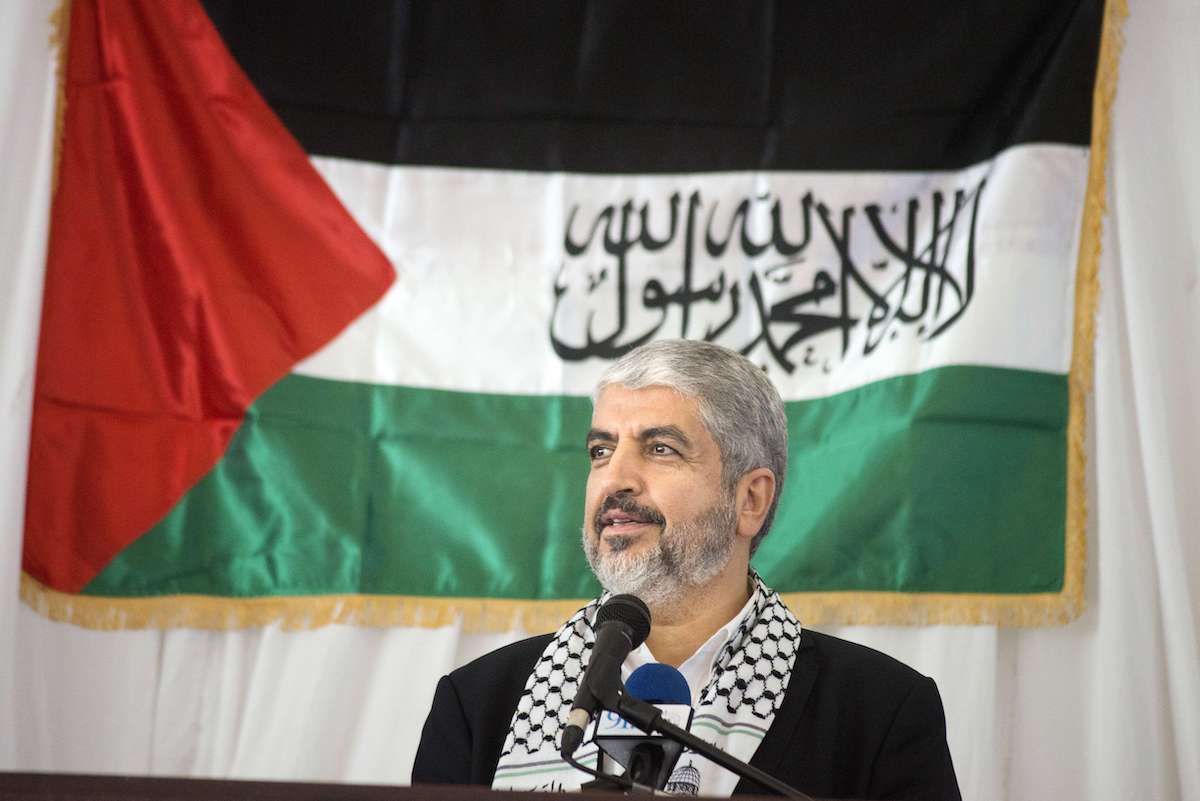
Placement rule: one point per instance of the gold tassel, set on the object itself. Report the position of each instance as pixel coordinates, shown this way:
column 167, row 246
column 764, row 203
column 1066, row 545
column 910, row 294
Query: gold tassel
column 1087, row 296
column 931, row 609
column 60, row 34
column 293, row 613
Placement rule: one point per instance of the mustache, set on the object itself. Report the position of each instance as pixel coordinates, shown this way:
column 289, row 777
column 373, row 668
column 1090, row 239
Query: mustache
column 625, row 503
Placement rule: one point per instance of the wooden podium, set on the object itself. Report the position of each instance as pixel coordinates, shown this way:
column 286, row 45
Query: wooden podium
column 78, row 787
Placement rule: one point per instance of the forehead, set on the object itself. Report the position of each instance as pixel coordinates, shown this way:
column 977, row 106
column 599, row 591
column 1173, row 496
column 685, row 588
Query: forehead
column 619, row 408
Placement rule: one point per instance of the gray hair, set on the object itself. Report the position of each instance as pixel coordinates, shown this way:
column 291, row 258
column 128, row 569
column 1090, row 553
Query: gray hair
column 738, row 404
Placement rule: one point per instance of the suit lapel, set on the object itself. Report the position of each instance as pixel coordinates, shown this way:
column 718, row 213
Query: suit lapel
column 778, row 742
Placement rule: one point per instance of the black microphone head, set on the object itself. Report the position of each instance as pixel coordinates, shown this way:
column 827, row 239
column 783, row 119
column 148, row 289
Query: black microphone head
column 630, row 610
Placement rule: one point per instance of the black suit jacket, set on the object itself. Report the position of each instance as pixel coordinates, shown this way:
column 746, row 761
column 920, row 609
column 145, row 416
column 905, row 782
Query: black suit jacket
column 854, row 723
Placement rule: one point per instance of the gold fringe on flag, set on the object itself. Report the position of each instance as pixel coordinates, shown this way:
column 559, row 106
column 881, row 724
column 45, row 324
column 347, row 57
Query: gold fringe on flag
column 850, row 608
column 1087, row 297
column 60, row 35
column 293, row 613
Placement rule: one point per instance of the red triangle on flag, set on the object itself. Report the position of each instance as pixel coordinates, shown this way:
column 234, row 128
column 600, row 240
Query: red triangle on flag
column 195, row 256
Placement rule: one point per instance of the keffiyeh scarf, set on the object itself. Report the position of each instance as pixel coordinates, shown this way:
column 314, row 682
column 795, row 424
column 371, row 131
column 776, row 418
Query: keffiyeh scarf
column 745, row 688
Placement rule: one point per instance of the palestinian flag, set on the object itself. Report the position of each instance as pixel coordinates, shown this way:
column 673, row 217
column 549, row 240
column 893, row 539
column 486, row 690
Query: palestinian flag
column 328, row 288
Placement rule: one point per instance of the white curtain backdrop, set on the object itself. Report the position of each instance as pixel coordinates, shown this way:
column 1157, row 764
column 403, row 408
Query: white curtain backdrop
column 1105, row 708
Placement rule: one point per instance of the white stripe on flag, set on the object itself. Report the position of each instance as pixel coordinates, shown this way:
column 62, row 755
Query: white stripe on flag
column 480, row 252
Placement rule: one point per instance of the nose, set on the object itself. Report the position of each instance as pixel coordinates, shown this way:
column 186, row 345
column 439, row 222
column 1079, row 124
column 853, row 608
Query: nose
column 622, row 472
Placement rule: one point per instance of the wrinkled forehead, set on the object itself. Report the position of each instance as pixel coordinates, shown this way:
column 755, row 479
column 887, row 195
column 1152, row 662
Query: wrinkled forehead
column 620, row 408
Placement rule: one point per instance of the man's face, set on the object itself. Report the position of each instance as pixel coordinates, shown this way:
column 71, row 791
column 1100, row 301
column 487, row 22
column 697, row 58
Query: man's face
column 657, row 518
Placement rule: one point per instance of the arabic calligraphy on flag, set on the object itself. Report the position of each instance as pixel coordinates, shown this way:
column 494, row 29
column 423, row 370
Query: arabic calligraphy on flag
column 865, row 271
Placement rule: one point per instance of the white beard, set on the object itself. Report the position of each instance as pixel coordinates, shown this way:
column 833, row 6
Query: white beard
column 687, row 555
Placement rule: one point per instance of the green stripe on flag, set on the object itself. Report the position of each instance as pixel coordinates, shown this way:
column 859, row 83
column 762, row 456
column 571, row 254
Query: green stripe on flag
column 945, row 481
column 953, row 480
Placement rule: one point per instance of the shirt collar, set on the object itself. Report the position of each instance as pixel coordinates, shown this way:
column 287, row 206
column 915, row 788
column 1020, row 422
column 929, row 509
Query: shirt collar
column 698, row 667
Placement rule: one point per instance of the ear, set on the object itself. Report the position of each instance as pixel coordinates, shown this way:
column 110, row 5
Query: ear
column 755, row 491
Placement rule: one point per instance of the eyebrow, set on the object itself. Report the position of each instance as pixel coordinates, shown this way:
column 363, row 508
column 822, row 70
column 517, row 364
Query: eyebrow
column 666, row 432
column 600, row 434
column 654, row 432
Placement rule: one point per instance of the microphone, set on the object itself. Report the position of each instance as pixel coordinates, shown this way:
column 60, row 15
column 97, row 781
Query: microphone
column 622, row 624
column 648, row 759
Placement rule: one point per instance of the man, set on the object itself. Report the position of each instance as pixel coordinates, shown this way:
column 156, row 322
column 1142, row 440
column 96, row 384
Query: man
column 688, row 452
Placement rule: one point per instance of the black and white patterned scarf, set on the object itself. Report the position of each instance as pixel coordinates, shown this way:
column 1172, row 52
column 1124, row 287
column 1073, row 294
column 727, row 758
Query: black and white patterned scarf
column 735, row 709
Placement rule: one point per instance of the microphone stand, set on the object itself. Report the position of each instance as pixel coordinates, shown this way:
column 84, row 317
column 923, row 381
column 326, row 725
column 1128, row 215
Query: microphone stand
column 606, row 781
column 649, row 719
column 610, row 694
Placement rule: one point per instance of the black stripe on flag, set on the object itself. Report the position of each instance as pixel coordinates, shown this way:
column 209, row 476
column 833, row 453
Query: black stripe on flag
column 649, row 87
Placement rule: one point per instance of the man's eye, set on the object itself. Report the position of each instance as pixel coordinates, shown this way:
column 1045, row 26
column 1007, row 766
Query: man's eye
column 659, row 449
column 599, row 452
